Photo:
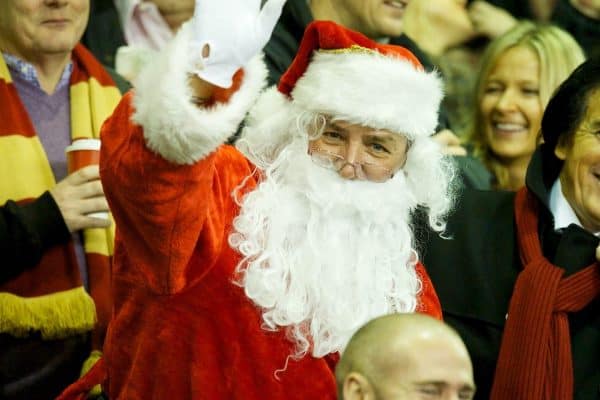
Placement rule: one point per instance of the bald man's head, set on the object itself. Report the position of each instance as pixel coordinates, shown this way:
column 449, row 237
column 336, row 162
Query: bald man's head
column 405, row 356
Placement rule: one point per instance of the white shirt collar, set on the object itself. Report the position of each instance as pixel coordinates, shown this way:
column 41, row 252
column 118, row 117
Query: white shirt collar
column 563, row 213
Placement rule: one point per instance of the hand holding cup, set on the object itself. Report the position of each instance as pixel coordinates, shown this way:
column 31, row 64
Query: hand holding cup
column 80, row 196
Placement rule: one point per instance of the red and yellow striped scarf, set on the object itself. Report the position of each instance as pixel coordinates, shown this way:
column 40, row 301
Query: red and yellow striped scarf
column 49, row 299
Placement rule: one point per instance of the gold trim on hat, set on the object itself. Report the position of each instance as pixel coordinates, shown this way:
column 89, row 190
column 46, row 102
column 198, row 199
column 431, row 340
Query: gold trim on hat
column 352, row 49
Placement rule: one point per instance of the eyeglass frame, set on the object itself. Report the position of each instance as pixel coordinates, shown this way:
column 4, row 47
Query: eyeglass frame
column 318, row 154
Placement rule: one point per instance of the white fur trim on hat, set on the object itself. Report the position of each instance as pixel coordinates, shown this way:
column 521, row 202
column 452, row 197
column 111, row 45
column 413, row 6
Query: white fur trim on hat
column 174, row 127
column 372, row 90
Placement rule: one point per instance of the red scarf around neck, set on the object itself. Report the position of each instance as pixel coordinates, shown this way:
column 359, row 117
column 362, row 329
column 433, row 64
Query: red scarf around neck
column 535, row 360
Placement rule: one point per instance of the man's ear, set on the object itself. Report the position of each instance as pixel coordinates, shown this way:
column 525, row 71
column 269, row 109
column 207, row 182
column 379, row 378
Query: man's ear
column 560, row 151
column 357, row 387
column 562, row 147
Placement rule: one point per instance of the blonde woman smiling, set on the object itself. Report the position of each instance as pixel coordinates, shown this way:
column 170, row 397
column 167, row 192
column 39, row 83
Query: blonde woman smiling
column 519, row 71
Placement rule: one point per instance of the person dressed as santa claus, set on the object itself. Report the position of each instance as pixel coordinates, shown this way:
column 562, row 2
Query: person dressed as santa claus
column 242, row 272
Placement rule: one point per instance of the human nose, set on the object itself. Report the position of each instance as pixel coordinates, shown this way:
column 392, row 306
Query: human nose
column 507, row 101
column 351, row 156
column 352, row 152
column 348, row 171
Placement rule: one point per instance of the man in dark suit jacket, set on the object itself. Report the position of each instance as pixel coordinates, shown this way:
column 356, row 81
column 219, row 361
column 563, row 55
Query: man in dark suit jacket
column 519, row 277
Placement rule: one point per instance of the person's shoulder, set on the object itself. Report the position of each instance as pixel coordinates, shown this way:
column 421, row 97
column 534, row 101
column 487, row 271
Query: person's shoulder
column 478, row 211
column 473, row 173
column 494, row 197
column 475, row 203
column 474, row 215
column 476, row 253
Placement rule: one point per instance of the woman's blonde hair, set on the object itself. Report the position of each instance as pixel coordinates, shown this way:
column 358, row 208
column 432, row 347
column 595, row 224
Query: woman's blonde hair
column 558, row 54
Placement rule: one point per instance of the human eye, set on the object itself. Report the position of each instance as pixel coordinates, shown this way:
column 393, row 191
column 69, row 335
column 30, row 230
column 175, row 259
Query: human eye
column 430, row 391
column 331, row 136
column 531, row 91
column 594, row 134
column 466, row 395
column 492, row 89
column 379, row 148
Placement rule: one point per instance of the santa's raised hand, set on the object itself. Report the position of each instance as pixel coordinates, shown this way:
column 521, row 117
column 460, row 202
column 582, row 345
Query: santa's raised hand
column 228, row 33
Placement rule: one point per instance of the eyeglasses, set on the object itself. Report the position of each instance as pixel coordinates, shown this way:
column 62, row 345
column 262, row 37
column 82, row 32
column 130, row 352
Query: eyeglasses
column 363, row 169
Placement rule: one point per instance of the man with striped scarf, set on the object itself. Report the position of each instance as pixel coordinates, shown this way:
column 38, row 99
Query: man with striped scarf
column 54, row 300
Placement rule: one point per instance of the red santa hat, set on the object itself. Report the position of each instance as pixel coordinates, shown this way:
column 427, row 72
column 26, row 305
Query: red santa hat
column 342, row 73
column 345, row 74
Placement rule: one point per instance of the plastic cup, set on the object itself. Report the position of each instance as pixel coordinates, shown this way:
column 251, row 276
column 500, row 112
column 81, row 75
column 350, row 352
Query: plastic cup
column 81, row 153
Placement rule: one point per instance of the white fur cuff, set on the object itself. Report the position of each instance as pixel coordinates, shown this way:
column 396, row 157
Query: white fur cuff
column 174, row 127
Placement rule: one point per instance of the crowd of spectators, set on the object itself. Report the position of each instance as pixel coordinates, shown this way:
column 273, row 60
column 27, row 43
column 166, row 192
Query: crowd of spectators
column 503, row 211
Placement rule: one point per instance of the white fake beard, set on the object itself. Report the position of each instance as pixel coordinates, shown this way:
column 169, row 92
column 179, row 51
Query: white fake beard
column 324, row 255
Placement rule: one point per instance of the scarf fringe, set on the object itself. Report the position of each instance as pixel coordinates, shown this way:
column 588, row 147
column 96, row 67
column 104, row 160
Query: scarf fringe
column 54, row 316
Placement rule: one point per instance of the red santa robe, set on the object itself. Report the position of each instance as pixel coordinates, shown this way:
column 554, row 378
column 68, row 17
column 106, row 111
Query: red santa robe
column 181, row 329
